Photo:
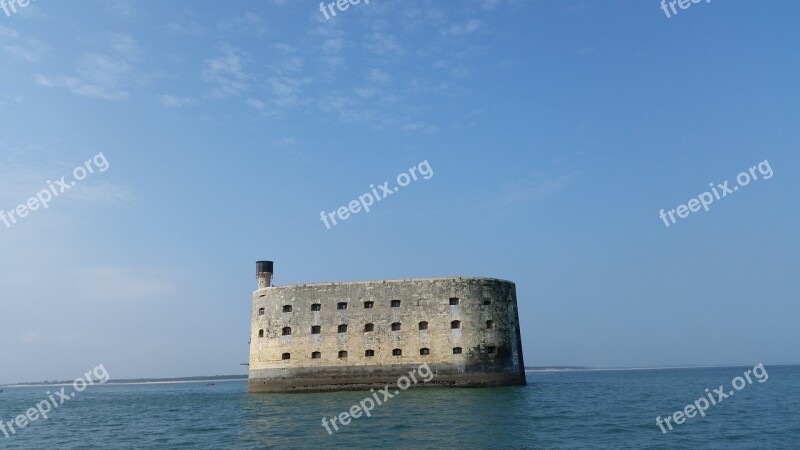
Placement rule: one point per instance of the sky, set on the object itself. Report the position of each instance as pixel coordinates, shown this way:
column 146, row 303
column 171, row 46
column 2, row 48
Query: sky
column 554, row 132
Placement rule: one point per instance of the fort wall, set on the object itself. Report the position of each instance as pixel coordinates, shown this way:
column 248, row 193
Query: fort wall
column 359, row 335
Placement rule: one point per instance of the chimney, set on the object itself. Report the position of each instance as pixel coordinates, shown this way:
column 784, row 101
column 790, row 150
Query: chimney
column 264, row 274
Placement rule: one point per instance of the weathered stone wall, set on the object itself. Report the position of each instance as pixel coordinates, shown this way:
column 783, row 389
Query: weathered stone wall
column 490, row 355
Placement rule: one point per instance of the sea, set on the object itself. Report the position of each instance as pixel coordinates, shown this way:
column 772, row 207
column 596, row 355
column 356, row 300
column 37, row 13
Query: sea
column 556, row 410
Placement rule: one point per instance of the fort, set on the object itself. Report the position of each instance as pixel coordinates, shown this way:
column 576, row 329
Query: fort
column 361, row 335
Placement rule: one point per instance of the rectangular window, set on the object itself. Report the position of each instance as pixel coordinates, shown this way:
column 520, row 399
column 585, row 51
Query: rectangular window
column 395, row 303
column 342, row 305
column 454, row 301
column 369, row 305
column 316, row 307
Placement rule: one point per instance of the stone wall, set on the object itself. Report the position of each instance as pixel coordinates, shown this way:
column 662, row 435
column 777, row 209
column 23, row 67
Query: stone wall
column 487, row 334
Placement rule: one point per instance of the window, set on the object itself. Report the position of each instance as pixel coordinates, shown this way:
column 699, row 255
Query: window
column 455, row 324
column 396, row 326
column 286, row 356
column 261, row 333
column 423, row 325
column 342, row 305
column 395, row 303
column 454, row 301
column 316, row 355
column 287, row 331
column 261, row 311
column 489, row 324
column 492, row 350
column 369, row 327
column 316, row 329
column 397, row 352
column 287, row 308
column 487, row 302
column 342, row 328
column 342, row 354
column 456, row 350
column 424, row 351
column 369, row 353
column 369, row 305
column 316, row 307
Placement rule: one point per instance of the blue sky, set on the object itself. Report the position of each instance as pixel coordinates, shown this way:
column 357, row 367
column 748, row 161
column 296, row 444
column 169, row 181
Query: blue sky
column 556, row 131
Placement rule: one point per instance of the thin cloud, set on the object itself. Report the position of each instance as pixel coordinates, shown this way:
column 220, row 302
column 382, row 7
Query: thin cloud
column 171, row 101
column 459, row 29
column 100, row 75
column 226, row 72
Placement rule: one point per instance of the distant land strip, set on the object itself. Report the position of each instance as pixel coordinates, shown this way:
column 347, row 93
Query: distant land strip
column 586, row 369
column 208, row 379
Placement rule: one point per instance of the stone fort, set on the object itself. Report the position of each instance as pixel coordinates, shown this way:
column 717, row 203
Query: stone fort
column 366, row 334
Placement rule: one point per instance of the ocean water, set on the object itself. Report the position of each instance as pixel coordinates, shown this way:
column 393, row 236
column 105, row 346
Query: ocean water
column 593, row 409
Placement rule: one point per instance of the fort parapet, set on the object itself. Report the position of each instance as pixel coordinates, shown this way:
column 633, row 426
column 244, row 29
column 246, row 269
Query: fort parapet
column 362, row 335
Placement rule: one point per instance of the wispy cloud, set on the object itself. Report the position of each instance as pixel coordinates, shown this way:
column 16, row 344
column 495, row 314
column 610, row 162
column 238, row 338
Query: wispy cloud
column 104, row 75
column 255, row 104
column 226, row 72
column 384, row 44
column 28, row 50
column 248, row 23
column 284, row 141
column 6, row 32
column 121, row 9
column 458, row 29
column 171, row 101
column 185, row 27
column 23, row 177
column 31, row 51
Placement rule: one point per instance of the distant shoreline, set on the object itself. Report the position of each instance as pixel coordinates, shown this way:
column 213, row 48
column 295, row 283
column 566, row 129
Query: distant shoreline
column 139, row 381
column 608, row 369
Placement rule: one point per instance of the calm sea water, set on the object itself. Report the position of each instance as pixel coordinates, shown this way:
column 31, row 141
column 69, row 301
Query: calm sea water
column 600, row 409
